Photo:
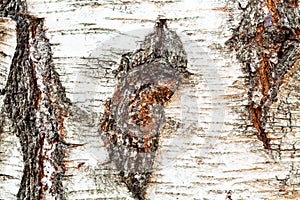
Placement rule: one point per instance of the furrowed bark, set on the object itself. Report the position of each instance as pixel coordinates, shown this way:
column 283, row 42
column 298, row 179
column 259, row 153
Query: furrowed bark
column 267, row 43
column 208, row 147
column 36, row 104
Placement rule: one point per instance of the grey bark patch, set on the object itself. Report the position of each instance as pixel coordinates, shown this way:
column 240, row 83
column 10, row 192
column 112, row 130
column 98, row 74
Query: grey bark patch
column 134, row 115
column 36, row 103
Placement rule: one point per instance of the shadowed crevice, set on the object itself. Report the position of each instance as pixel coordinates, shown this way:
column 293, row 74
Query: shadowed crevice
column 266, row 41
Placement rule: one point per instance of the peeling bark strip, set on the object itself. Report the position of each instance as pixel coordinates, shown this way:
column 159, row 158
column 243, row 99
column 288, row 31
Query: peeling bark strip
column 147, row 79
column 267, row 43
column 36, row 103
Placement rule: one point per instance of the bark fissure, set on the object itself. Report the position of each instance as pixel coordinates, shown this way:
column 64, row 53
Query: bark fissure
column 267, row 46
column 35, row 101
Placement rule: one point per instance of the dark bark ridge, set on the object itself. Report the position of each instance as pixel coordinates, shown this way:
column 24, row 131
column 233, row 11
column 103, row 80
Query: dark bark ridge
column 35, row 102
column 267, row 43
column 134, row 116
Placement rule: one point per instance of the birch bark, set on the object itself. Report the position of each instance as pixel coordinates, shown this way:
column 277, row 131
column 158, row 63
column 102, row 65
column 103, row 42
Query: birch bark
column 210, row 146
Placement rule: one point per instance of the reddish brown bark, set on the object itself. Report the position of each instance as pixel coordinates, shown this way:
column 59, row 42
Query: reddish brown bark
column 273, row 41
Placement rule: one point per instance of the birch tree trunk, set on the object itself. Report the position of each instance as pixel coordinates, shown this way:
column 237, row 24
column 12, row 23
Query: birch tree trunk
column 229, row 131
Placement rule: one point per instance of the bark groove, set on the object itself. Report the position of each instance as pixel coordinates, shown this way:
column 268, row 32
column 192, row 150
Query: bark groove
column 267, row 43
column 36, row 104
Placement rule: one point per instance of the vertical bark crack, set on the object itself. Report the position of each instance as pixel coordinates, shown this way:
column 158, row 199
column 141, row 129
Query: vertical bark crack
column 35, row 101
column 266, row 42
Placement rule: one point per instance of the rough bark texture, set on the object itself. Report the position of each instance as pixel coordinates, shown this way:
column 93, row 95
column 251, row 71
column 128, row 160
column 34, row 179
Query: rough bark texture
column 267, row 43
column 134, row 116
column 210, row 146
column 35, row 103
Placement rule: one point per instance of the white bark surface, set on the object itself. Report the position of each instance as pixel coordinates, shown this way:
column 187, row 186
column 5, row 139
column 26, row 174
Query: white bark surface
column 213, row 151
column 7, row 48
column 11, row 165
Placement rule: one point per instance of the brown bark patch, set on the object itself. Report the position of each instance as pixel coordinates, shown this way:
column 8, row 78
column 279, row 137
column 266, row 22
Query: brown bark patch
column 267, row 47
column 134, row 116
column 272, row 6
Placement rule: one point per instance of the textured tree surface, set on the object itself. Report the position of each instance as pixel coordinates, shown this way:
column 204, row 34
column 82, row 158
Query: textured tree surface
column 35, row 103
column 229, row 130
column 268, row 47
column 134, row 116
